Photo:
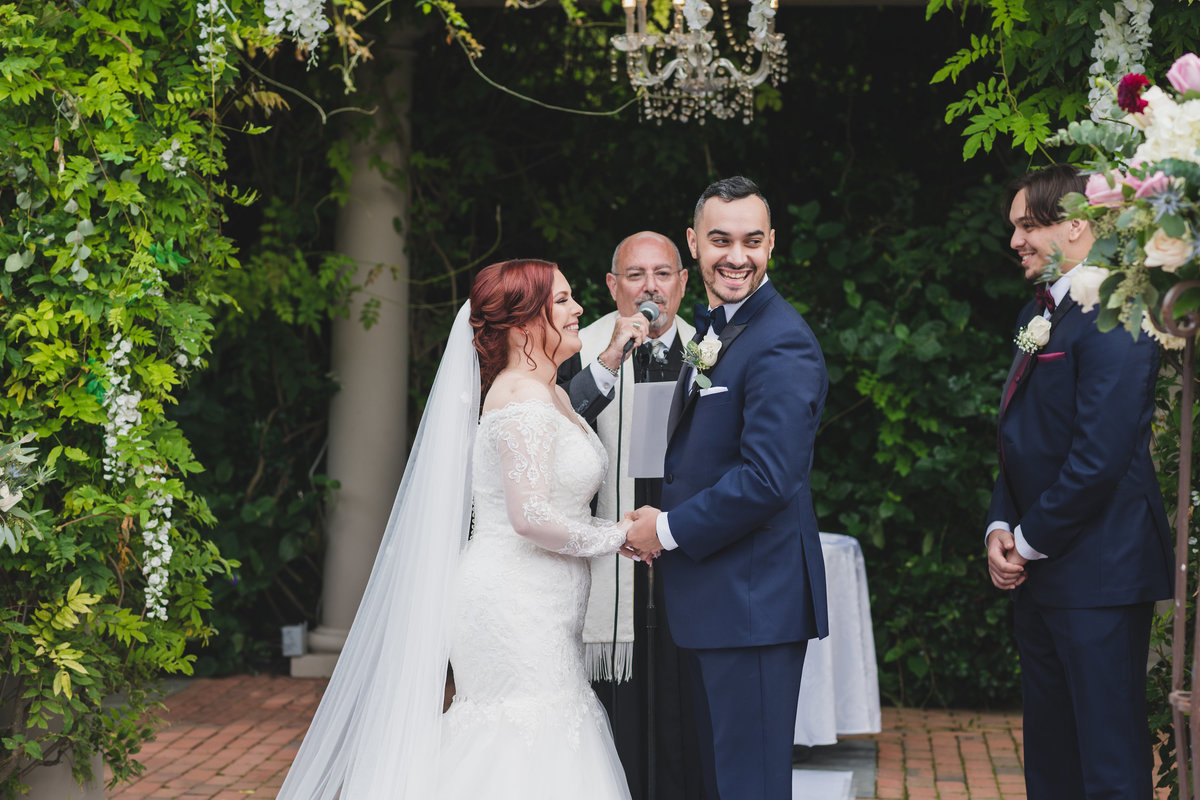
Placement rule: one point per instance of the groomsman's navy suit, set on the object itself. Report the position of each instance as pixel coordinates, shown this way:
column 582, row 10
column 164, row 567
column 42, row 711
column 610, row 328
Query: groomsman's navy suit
column 1076, row 475
column 745, row 589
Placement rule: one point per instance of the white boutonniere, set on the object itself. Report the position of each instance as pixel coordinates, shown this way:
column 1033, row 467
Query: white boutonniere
column 1033, row 337
column 702, row 356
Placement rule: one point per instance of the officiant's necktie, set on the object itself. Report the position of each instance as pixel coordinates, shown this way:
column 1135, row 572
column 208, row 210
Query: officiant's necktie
column 650, row 361
column 705, row 319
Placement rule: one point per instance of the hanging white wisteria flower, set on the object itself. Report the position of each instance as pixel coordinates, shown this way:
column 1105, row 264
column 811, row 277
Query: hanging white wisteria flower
column 212, row 49
column 156, row 536
column 121, row 404
column 1121, row 41
column 120, row 435
column 173, row 161
column 303, row 20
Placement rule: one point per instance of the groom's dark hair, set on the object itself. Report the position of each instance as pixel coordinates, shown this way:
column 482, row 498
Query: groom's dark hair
column 729, row 189
column 1044, row 190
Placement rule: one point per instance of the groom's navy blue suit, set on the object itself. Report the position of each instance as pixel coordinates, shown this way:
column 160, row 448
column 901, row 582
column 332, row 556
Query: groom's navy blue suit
column 1076, row 475
column 745, row 589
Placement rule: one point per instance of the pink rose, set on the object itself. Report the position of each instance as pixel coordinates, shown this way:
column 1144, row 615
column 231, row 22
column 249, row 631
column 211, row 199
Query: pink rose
column 1151, row 186
column 1099, row 193
column 1184, row 74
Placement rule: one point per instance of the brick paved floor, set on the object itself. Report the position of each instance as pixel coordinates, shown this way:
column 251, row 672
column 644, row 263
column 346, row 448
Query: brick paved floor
column 233, row 738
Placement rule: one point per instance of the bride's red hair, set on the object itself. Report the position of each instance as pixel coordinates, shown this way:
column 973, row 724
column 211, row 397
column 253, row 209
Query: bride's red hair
column 511, row 294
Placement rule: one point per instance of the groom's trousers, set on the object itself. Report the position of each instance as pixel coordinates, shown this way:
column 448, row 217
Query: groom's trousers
column 745, row 703
column 1083, row 677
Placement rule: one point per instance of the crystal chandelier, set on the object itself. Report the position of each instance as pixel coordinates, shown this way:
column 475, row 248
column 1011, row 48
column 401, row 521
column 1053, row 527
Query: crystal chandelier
column 682, row 75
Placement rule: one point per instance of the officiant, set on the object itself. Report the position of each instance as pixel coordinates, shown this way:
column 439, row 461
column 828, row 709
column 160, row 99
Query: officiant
column 636, row 673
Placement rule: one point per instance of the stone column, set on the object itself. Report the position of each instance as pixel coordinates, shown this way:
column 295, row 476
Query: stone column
column 368, row 437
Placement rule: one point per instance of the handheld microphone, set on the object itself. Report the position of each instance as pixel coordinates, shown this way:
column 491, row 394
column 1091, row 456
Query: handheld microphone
column 648, row 309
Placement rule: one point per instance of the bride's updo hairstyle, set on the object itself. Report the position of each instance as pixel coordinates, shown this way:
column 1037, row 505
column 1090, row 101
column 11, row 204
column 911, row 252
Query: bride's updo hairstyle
column 511, row 294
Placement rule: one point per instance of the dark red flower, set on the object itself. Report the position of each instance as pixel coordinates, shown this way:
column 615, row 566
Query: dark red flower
column 1129, row 93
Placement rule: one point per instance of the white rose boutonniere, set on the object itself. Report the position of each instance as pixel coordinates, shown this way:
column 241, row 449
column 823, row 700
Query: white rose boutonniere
column 1034, row 335
column 702, row 356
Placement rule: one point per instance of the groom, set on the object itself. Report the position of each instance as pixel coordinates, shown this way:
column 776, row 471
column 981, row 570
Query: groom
column 1077, row 524
column 741, row 567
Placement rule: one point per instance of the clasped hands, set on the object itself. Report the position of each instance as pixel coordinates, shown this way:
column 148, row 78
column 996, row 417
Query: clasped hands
column 641, row 537
column 1005, row 565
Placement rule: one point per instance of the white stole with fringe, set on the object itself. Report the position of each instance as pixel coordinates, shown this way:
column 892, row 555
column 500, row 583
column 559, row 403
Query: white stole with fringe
column 612, row 576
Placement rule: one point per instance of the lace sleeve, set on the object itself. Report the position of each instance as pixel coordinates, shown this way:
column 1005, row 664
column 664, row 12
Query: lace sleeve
column 526, row 442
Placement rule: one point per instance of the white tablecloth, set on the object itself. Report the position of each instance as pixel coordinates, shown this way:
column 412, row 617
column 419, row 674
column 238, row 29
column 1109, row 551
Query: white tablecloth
column 840, row 690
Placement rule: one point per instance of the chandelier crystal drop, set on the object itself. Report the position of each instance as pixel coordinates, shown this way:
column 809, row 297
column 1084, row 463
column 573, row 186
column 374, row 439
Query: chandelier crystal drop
column 681, row 73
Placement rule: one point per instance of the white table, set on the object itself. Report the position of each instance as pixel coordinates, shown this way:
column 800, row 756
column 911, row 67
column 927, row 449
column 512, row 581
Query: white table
column 839, row 693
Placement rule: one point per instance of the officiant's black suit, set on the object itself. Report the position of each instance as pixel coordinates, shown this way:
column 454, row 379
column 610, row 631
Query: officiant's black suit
column 677, row 761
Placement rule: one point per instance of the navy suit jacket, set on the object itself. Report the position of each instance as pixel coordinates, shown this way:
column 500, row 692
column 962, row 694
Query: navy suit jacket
column 748, row 570
column 1075, row 467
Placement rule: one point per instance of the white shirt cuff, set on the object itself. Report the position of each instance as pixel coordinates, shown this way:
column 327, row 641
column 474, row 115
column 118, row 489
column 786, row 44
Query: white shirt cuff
column 663, row 529
column 605, row 380
column 1027, row 552
column 998, row 525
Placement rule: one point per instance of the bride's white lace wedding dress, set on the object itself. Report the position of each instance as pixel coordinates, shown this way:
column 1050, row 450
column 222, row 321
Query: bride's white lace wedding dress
column 525, row 724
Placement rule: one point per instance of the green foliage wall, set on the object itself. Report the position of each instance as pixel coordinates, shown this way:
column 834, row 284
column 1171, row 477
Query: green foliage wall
column 110, row 234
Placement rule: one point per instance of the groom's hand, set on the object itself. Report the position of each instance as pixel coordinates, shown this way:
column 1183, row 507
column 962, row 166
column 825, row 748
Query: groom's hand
column 642, row 537
column 1005, row 564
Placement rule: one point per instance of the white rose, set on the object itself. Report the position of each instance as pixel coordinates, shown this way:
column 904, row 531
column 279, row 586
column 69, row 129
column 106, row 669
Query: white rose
column 708, row 352
column 1039, row 330
column 1166, row 252
column 8, row 500
column 1085, row 285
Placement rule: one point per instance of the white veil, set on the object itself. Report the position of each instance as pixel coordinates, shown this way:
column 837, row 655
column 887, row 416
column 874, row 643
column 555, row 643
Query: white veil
column 377, row 732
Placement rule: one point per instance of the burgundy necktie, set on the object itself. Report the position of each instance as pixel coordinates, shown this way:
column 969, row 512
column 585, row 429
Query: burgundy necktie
column 1043, row 298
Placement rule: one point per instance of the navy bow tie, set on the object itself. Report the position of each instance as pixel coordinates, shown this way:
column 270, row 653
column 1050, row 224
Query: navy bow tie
column 1043, row 298
column 705, row 319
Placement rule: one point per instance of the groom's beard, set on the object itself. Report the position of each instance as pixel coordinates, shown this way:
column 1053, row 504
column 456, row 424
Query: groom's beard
column 711, row 279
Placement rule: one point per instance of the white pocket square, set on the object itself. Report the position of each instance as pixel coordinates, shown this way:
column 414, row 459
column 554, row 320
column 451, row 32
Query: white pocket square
column 713, row 390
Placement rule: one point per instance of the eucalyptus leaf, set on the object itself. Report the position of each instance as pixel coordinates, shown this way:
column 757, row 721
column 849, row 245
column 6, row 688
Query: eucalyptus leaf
column 1173, row 225
column 85, row 227
column 71, row 207
column 13, row 262
column 84, row 252
column 24, row 200
column 1103, row 250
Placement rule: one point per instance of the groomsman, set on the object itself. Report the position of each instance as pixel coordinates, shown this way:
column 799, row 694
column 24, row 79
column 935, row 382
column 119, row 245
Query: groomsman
column 742, row 570
column 645, row 267
column 1078, row 528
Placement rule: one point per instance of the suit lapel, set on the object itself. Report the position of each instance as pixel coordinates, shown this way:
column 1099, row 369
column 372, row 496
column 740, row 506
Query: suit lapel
column 680, row 398
column 1015, row 372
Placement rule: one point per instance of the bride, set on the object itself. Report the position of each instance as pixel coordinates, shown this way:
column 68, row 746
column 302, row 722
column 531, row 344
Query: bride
column 506, row 610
